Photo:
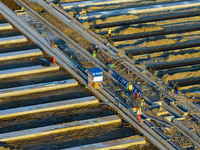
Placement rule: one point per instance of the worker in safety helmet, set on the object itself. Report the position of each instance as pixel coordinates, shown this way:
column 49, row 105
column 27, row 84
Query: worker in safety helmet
column 142, row 104
column 130, row 87
column 109, row 32
column 139, row 113
column 94, row 54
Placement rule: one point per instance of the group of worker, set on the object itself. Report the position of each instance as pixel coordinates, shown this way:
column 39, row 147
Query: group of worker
column 139, row 111
column 142, row 104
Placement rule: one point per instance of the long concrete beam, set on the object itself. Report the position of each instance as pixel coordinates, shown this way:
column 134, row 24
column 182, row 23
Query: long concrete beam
column 5, row 26
column 13, row 39
column 26, row 71
column 92, row 3
column 114, row 144
column 42, row 87
column 174, row 64
column 20, row 54
column 195, row 139
column 60, row 128
column 146, row 9
column 66, row 104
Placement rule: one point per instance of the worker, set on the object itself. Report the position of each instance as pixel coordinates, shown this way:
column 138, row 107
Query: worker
column 142, row 104
column 119, row 54
column 139, row 113
column 83, row 13
column 94, row 54
column 130, row 87
column 51, row 44
column 53, row 61
column 192, row 99
column 109, row 32
column 108, row 60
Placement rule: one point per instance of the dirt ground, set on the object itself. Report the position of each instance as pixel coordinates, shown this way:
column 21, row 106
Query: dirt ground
column 11, row 4
column 183, row 75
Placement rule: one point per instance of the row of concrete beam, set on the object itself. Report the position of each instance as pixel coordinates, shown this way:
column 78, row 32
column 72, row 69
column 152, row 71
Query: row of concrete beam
column 39, row 108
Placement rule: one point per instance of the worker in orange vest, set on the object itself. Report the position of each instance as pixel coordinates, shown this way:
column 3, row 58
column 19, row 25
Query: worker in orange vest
column 139, row 113
column 53, row 61
column 108, row 60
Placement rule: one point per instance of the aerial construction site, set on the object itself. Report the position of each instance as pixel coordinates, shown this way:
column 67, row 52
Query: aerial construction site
column 99, row 74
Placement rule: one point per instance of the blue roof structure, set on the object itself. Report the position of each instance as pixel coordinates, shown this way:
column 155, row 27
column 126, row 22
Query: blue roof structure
column 95, row 71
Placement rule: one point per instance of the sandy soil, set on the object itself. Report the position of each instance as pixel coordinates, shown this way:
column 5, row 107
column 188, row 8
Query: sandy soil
column 183, row 75
column 4, row 148
column 185, row 56
column 11, row 4
column 111, row 19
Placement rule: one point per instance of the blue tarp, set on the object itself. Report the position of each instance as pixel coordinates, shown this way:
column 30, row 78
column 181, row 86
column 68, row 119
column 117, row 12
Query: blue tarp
column 95, row 71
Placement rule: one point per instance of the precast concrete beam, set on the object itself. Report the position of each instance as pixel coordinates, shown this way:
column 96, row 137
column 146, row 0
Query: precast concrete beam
column 36, row 88
column 13, row 39
column 171, row 110
column 20, row 54
column 138, row 10
column 60, row 128
column 178, row 109
column 114, row 144
column 5, row 26
column 91, row 3
column 66, row 104
column 191, row 135
column 26, row 71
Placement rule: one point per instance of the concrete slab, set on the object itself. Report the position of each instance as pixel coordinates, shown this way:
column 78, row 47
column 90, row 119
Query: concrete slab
column 192, row 136
column 20, row 54
column 35, row 88
column 13, row 39
column 160, row 113
column 91, row 3
column 115, row 144
column 195, row 117
column 26, row 71
column 158, row 102
column 54, row 129
column 20, row 12
column 48, row 107
column 178, row 109
column 137, row 10
column 5, row 26
column 169, row 118
column 171, row 110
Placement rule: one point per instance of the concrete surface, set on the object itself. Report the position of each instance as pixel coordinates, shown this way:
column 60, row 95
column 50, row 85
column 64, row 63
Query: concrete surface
column 13, row 39
column 64, row 127
column 23, row 90
column 48, row 107
column 20, row 54
column 115, row 144
column 26, row 70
